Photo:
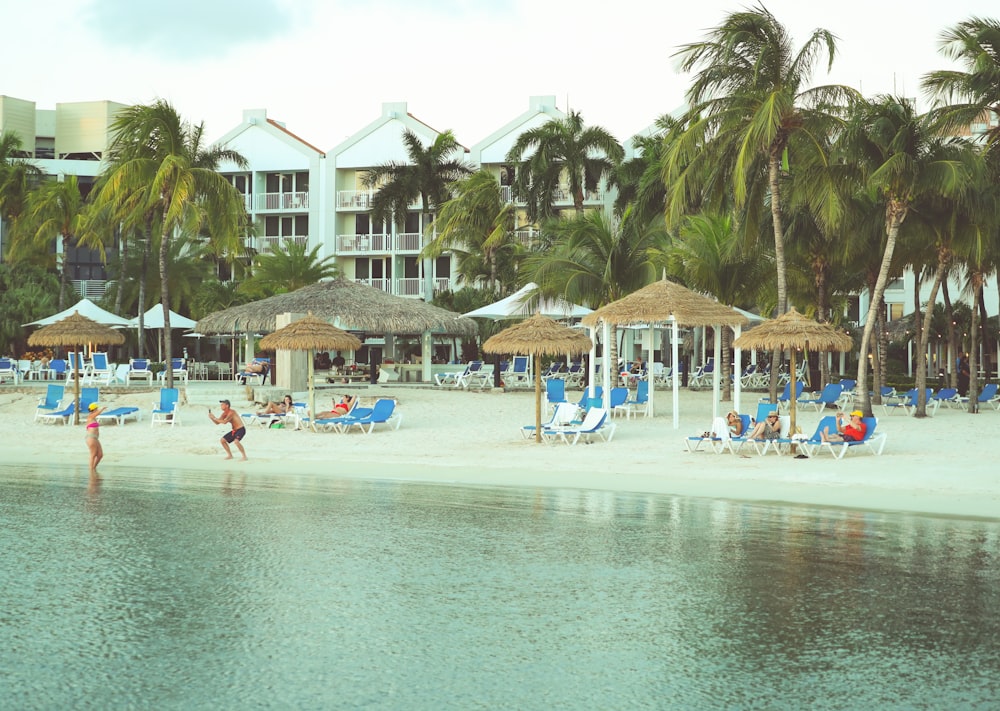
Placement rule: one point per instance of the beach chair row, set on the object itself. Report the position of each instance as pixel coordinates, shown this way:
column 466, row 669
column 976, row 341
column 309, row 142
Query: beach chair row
column 58, row 407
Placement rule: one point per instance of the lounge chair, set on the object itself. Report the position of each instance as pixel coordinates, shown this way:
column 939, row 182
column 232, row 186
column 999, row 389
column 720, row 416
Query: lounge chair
column 120, row 376
column 178, row 367
column 617, row 397
column 596, row 423
column 563, row 416
column 518, row 374
column 555, row 391
column 244, row 377
column 57, row 368
column 451, row 378
column 8, row 370
column 987, row 396
column 138, row 369
column 331, row 424
column 165, row 411
column 51, row 402
column 383, row 412
column 944, row 396
column 874, row 442
column 479, row 376
column 639, row 402
column 907, row 402
column 87, row 396
column 785, row 398
column 100, row 370
column 553, row 371
column 718, row 438
column 120, row 414
column 574, row 375
column 828, row 397
column 703, row 374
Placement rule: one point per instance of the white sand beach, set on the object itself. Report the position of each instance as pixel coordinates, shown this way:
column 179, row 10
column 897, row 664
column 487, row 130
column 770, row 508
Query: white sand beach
column 942, row 464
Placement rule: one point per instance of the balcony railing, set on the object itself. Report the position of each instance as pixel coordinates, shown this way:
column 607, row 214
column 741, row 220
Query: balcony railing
column 406, row 287
column 379, row 242
column 560, row 196
column 280, row 202
column 526, row 237
column 266, row 244
column 90, row 288
column 362, row 200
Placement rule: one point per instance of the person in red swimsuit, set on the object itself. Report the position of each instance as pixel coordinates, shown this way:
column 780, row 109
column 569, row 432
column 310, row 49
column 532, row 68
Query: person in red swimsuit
column 852, row 431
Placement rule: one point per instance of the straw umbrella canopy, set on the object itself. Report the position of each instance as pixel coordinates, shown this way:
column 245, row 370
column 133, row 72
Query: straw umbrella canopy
column 790, row 331
column 310, row 334
column 73, row 331
column 538, row 336
column 666, row 301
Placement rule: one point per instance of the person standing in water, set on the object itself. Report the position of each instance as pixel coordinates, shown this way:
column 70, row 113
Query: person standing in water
column 236, row 434
column 93, row 437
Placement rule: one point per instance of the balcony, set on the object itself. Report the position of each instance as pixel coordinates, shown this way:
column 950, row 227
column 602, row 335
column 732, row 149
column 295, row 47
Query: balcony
column 362, row 200
column 267, row 244
column 379, row 243
column 406, row 287
column 560, row 196
column 92, row 289
column 280, row 202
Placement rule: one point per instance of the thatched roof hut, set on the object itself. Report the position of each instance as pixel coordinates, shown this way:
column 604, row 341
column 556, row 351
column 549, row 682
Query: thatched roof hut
column 664, row 301
column 346, row 304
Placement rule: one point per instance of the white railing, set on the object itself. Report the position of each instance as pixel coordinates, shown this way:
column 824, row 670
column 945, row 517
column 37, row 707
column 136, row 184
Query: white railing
column 526, row 237
column 406, row 287
column 354, row 199
column 280, row 201
column 408, row 242
column 379, row 242
column 90, row 288
column 380, row 284
column 265, row 244
column 410, row 287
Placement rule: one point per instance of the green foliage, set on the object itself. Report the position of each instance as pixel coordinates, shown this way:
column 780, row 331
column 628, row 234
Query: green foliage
column 287, row 268
column 27, row 293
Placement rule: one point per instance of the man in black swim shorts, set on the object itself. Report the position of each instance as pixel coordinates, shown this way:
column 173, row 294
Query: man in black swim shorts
column 236, row 434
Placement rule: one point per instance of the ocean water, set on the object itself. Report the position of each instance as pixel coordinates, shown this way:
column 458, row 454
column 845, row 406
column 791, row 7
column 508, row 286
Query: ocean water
column 197, row 590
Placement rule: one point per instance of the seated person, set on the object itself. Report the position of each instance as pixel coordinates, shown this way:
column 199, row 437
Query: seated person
column 340, row 408
column 637, row 366
column 323, row 361
column 735, row 424
column 278, row 408
column 338, row 361
column 849, row 431
column 254, row 366
column 770, row 428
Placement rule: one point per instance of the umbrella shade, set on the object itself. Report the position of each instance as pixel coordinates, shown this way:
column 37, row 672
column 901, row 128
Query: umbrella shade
column 538, row 336
column 153, row 318
column 664, row 301
column 790, row 331
column 520, row 304
column 84, row 307
column 344, row 303
column 73, row 331
column 310, row 333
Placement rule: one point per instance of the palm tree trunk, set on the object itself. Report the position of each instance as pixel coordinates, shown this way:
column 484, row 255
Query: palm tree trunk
column 147, row 248
column 895, row 215
column 774, row 172
column 951, row 354
column 925, row 334
column 977, row 289
column 165, row 300
column 821, row 316
column 64, row 286
column 122, row 258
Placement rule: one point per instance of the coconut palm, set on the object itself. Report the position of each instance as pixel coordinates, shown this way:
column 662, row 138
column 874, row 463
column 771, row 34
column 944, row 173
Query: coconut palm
column 902, row 160
column 162, row 168
column 750, row 111
column 17, row 176
column 477, row 225
column 425, row 177
column 284, row 269
column 561, row 150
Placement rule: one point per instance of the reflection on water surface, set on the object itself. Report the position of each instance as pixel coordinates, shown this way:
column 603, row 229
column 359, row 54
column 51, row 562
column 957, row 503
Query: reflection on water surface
column 199, row 590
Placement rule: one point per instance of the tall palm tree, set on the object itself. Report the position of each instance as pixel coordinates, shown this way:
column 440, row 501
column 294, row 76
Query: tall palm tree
column 479, row 223
column 162, row 168
column 903, row 160
column 709, row 255
column 17, row 176
column 425, row 177
column 285, row 269
column 56, row 212
column 750, row 111
column 561, row 149
column 639, row 180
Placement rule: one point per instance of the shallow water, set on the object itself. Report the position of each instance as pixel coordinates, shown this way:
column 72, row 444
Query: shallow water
column 161, row 589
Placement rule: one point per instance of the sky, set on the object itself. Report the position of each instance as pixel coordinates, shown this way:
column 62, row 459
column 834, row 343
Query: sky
column 325, row 67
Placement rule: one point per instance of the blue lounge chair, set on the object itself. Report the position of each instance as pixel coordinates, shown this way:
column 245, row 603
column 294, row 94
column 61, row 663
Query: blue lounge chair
column 617, row 397
column 100, row 370
column 87, row 396
column 51, row 402
column 244, row 377
column 165, row 412
column 518, row 373
column 988, row 396
column 944, row 396
column 874, row 442
column 120, row 414
column 383, row 412
column 829, row 397
column 638, row 402
column 138, row 368
column 555, row 391
column 907, row 404
column 8, row 370
column 596, row 423
column 564, row 415
column 785, row 398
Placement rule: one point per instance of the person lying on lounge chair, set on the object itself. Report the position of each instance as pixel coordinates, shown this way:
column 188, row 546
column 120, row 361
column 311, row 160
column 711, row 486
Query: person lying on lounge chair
column 770, row 428
column 340, row 408
column 847, row 431
column 278, row 408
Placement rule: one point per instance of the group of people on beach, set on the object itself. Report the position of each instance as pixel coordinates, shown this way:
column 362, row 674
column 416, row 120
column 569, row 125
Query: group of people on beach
column 849, row 429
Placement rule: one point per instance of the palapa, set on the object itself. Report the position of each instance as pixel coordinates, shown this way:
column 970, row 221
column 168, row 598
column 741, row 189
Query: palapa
column 661, row 302
column 790, row 331
column 345, row 303
column 73, row 331
column 310, row 333
column 538, row 336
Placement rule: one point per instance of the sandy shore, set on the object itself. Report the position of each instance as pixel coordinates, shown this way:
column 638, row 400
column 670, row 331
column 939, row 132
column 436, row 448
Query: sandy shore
column 943, row 464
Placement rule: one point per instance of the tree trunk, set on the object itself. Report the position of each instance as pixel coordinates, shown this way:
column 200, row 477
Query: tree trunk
column 895, row 214
column 147, row 249
column 64, row 285
column 822, row 317
column 774, row 172
column 952, row 350
column 122, row 258
column 727, row 363
column 977, row 289
column 924, row 335
column 165, row 301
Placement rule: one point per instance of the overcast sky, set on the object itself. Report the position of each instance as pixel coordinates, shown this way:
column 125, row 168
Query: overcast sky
column 324, row 67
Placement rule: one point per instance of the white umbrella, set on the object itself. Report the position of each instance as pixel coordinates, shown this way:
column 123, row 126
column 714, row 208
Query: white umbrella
column 520, row 304
column 84, row 307
column 153, row 318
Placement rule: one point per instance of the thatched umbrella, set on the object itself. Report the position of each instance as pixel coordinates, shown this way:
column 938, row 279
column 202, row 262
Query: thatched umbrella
column 665, row 301
column 310, row 334
column 73, row 331
column 538, row 336
column 790, row 331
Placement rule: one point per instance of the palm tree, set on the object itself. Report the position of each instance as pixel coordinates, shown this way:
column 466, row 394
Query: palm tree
column 709, row 255
column 595, row 260
column 54, row 212
column 639, row 180
column 162, row 169
column 426, row 177
column 17, row 176
column 903, row 160
column 750, row 112
column 284, row 269
column 478, row 226
column 561, row 149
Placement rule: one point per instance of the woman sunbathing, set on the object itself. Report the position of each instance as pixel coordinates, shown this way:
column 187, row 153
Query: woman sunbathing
column 284, row 407
column 770, row 428
column 340, row 408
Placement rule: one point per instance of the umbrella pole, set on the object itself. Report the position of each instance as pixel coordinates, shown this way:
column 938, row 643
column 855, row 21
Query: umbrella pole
column 76, row 387
column 312, row 388
column 792, row 395
column 538, row 405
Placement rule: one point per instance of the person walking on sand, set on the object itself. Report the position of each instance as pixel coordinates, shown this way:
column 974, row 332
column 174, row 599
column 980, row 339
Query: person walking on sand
column 236, row 434
column 93, row 437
